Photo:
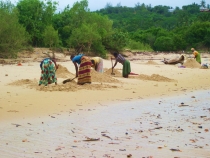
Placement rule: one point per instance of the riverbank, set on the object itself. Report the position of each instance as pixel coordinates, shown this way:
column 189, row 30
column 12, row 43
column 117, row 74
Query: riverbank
column 38, row 109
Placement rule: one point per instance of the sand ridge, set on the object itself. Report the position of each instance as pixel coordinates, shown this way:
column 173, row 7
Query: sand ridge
column 151, row 62
column 63, row 72
column 69, row 86
column 103, row 77
column 155, row 77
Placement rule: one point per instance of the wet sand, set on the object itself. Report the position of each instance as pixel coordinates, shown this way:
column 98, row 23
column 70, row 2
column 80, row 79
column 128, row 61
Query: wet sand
column 131, row 116
column 143, row 128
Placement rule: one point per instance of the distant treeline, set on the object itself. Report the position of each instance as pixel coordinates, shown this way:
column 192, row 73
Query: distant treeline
column 36, row 23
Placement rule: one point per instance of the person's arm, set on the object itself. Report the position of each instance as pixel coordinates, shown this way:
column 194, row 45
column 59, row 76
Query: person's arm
column 41, row 64
column 96, row 66
column 195, row 54
column 114, row 64
column 76, row 68
column 56, row 65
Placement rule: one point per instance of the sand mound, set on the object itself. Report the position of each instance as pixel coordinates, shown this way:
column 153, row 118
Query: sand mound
column 155, row 77
column 150, row 62
column 24, row 82
column 69, row 86
column 109, row 71
column 191, row 63
column 63, row 72
column 102, row 77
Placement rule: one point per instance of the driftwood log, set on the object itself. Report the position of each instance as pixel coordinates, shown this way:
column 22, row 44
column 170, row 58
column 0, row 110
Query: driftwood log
column 174, row 61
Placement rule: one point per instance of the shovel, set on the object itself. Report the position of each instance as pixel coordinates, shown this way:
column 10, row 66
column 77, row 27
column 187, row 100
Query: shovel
column 68, row 80
column 112, row 68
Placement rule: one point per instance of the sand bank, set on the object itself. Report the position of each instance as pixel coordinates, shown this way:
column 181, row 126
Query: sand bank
column 23, row 102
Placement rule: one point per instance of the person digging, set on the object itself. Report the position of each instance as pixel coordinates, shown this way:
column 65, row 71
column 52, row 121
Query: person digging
column 126, row 71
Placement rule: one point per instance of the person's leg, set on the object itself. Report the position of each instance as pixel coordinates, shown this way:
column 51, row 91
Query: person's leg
column 126, row 69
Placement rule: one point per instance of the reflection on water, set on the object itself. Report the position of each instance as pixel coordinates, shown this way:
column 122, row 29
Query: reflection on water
column 142, row 128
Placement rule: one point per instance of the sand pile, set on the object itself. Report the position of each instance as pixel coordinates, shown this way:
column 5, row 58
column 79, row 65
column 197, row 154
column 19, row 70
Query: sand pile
column 69, row 86
column 155, row 77
column 63, row 72
column 117, row 73
column 191, row 63
column 102, row 77
column 150, row 62
column 24, row 82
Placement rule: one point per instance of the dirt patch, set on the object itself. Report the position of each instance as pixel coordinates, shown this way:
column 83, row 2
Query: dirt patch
column 155, row 77
column 192, row 63
column 102, row 77
column 24, row 82
column 150, row 62
column 63, row 72
column 70, row 86
column 109, row 71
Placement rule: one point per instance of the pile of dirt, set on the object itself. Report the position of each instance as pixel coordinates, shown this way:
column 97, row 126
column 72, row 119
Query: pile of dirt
column 109, row 71
column 155, row 77
column 63, row 72
column 102, row 77
column 24, row 82
column 192, row 63
column 150, row 62
column 69, row 86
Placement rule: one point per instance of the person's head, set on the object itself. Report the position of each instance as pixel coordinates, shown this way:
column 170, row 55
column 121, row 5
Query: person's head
column 192, row 49
column 115, row 54
column 72, row 56
column 53, row 59
column 93, row 62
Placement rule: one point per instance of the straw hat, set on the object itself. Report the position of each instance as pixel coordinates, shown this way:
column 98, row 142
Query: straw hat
column 192, row 49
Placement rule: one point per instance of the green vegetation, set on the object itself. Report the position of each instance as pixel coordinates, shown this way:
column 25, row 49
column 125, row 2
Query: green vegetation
column 36, row 23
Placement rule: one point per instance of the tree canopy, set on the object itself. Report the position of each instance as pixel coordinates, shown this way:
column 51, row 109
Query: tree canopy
column 160, row 28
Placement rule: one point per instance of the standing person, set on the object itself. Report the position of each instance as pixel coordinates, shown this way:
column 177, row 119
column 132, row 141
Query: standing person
column 97, row 63
column 126, row 64
column 84, row 68
column 48, row 67
column 197, row 55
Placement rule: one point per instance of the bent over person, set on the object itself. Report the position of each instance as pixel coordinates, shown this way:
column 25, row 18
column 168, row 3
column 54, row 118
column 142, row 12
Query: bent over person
column 126, row 64
column 97, row 64
column 84, row 64
column 197, row 55
column 48, row 68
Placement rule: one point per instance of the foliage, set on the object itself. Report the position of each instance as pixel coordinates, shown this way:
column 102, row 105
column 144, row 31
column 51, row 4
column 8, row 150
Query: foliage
column 158, row 28
column 51, row 37
column 198, row 34
column 13, row 36
column 116, row 41
column 35, row 15
column 133, row 45
column 163, row 43
column 83, row 37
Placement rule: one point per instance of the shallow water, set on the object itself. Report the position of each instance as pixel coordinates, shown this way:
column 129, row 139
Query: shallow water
column 130, row 126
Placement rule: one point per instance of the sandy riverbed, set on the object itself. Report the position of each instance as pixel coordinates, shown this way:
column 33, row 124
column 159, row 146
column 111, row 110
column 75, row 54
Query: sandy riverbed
column 43, row 112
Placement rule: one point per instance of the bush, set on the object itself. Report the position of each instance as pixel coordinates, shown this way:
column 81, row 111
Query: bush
column 13, row 36
column 133, row 45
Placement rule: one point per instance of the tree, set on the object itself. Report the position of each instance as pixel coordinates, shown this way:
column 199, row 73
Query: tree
column 206, row 41
column 13, row 36
column 35, row 15
column 196, row 34
column 203, row 3
column 83, row 37
column 51, row 37
column 164, row 44
column 116, row 41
